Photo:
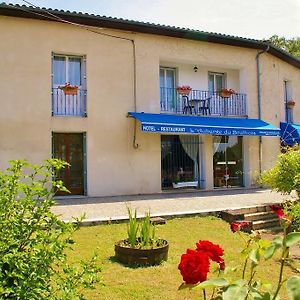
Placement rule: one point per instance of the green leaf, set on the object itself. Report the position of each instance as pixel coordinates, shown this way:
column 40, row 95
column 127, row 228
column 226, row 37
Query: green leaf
column 293, row 287
column 235, row 292
column 257, row 296
column 219, row 282
column 292, row 239
column 254, row 255
column 186, row 286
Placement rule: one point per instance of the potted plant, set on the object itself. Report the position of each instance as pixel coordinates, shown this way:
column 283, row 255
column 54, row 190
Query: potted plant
column 69, row 89
column 184, row 90
column 141, row 247
column 226, row 93
column 290, row 104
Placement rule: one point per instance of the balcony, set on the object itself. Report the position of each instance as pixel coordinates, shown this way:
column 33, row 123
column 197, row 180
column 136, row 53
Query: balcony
column 68, row 105
column 203, row 103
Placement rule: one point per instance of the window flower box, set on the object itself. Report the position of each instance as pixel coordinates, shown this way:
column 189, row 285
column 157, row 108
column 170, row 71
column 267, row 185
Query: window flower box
column 69, row 89
column 290, row 104
column 184, row 90
column 226, row 93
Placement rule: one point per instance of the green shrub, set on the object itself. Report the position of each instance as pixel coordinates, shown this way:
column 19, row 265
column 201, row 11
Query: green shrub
column 285, row 175
column 33, row 244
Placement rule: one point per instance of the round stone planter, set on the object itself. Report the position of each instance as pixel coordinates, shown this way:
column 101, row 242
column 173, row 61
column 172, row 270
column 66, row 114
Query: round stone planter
column 141, row 257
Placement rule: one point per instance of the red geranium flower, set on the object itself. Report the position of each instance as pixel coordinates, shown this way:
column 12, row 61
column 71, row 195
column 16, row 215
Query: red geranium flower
column 194, row 266
column 213, row 251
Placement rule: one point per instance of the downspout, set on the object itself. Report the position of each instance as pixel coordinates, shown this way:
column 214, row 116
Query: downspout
column 259, row 101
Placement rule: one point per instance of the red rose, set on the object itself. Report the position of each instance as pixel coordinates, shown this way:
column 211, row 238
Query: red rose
column 238, row 225
column 213, row 251
column 278, row 211
column 234, row 227
column 194, row 266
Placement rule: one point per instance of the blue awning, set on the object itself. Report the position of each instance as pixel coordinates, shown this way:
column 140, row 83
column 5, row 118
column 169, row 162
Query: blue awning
column 290, row 133
column 204, row 125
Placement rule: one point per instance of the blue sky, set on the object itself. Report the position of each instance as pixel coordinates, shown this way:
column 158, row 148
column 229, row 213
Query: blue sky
column 246, row 18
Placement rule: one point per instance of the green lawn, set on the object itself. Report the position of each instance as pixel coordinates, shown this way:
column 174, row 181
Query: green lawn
column 159, row 282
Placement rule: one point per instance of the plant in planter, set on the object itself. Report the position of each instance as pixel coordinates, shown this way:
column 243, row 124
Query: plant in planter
column 69, row 89
column 226, row 93
column 141, row 247
column 184, row 90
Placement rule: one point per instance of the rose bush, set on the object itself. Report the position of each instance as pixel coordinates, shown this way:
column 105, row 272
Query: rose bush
column 195, row 265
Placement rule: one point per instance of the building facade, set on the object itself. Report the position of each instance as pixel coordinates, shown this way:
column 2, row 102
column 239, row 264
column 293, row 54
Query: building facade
column 127, row 128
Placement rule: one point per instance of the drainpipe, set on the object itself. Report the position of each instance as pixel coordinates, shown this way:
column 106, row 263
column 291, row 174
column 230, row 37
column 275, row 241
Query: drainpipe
column 259, row 101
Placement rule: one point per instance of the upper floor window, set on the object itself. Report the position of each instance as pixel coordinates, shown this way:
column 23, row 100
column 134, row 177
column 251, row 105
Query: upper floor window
column 68, row 69
column 288, row 97
column 216, row 81
column 168, row 96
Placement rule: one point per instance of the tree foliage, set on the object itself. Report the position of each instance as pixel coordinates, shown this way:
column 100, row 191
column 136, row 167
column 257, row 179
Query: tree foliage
column 285, row 175
column 291, row 46
column 33, row 244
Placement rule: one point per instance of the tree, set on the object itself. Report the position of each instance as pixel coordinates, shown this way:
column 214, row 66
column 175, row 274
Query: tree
column 33, row 260
column 291, row 46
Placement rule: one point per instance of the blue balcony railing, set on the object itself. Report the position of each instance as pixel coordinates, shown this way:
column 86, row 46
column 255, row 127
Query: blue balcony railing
column 204, row 103
column 68, row 105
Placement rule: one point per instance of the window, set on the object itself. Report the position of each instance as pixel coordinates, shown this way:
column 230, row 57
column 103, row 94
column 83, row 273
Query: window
column 216, row 82
column 288, row 97
column 167, row 77
column 68, row 69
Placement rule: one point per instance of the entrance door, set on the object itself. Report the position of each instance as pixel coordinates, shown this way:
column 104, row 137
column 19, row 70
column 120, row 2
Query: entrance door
column 228, row 161
column 179, row 161
column 69, row 147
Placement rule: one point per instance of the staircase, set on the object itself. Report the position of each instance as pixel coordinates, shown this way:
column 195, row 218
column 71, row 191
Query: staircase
column 259, row 217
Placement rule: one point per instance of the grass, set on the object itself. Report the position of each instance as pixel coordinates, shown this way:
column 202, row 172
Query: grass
column 159, row 282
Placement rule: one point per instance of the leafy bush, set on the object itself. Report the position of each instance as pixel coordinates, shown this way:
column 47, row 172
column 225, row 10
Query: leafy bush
column 285, row 176
column 33, row 244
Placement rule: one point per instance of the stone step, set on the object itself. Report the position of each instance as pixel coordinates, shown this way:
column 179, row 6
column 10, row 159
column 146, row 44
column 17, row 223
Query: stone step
column 256, row 216
column 265, row 224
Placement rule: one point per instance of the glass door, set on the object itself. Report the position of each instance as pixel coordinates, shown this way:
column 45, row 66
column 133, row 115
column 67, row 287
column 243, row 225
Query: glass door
column 228, row 161
column 179, row 161
column 216, row 82
column 167, row 89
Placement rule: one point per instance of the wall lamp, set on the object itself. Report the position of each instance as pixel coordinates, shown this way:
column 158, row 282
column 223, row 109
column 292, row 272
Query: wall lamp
column 195, row 69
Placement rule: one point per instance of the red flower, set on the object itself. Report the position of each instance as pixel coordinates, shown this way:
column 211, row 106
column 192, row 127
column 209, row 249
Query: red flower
column 280, row 214
column 213, row 251
column 194, row 266
column 238, row 225
column 278, row 211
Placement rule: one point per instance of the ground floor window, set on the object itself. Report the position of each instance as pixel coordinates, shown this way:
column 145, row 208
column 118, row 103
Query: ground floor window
column 179, row 161
column 70, row 147
column 228, row 161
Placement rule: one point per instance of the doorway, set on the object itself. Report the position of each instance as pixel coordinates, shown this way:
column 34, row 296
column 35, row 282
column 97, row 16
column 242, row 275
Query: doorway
column 228, row 161
column 70, row 148
column 180, row 161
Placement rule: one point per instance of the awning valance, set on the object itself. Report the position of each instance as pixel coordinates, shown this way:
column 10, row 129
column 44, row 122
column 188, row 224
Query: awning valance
column 183, row 124
column 290, row 133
